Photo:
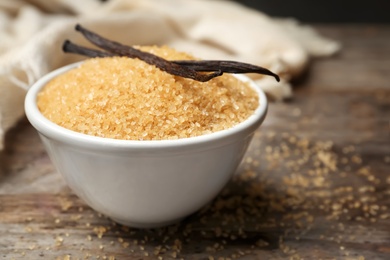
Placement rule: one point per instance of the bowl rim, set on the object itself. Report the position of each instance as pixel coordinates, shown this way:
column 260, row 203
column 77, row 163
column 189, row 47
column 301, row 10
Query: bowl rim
column 50, row 129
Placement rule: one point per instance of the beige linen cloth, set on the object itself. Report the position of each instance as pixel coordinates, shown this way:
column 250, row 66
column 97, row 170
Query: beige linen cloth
column 32, row 32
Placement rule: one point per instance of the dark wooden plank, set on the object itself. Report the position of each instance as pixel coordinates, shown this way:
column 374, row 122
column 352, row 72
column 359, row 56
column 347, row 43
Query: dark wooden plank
column 362, row 65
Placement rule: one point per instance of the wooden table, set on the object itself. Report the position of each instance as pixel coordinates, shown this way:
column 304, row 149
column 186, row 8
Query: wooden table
column 315, row 183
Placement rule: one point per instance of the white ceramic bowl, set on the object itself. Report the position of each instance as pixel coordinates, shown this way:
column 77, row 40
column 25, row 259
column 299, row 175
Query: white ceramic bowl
column 144, row 183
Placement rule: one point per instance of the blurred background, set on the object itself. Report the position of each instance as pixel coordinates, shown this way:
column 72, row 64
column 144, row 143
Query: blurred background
column 322, row 11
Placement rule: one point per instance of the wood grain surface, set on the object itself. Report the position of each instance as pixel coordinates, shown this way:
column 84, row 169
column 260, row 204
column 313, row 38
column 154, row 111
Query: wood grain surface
column 315, row 183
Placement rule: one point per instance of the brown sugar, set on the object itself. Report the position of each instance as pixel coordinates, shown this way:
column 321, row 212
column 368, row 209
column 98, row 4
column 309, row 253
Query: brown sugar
column 124, row 98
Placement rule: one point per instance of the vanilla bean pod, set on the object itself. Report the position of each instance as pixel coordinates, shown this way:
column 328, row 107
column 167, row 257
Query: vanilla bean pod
column 226, row 66
column 194, row 69
column 70, row 47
